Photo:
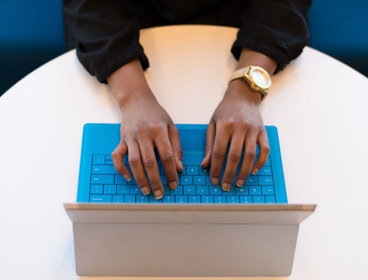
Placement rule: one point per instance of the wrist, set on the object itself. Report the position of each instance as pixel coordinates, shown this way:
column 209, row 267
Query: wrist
column 239, row 89
column 128, row 84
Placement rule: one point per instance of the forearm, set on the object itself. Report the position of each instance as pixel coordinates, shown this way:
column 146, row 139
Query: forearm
column 129, row 83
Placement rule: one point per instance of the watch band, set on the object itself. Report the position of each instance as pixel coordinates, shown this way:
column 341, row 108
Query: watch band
column 239, row 73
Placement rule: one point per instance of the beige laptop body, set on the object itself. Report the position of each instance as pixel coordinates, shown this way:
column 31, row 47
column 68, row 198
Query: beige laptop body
column 185, row 240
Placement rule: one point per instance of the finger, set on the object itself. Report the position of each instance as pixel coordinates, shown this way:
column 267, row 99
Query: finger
column 264, row 151
column 117, row 158
column 135, row 164
column 250, row 151
column 151, row 167
column 210, row 138
column 218, row 153
column 233, row 158
column 176, row 147
column 167, row 158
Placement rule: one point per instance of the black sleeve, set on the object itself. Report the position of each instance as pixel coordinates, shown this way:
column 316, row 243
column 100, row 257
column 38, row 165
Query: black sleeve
column 276, row 28
column 105, row 33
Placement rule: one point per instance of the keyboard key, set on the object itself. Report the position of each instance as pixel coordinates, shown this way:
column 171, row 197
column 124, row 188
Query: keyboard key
column 245, row 199
column 141, row 199
column 100, row 198
column 168, row 199
column 117, row 198
column 186, row 180
column 268, row 162
column 102, row 179
column 208, row 180
column 202, row 190
column 258, row 199
column 204, row 171
column 230, row 192
column 98, row 159
column 194, row 199
column 122, row 189
column 184, row 172
column 129, row 198
column 241, row 191
column 268, row 190
column 270, row 199
column 109, row 162
column 189, row 190
column 207, row 199
column 265, row 171
column 255, row 190
column 103, row 169
column 135, row 190
column 181, row 199
column 126, row 162
column 166, row 189
column 109, row 189
column 199, row 180
column 252, row 181
column 220, row 199
column 178, row 191
column 232, row 199
column 265, row 180
column 120, row 180
column 161, row 170
column 215, row 190
column 153, row 200
column 132, row 181
column 192, row 170
column 108, row 157
column 163, row 180
column 96, row 189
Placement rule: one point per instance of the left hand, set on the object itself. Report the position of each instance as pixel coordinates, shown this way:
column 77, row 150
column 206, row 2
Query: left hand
column 236, row 122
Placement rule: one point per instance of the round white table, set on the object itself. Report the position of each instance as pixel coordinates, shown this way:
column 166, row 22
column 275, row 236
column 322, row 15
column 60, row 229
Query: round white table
column 319, row 105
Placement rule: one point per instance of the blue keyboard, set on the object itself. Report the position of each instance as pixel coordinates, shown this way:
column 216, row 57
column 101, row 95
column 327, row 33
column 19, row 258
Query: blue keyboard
column 107, row 186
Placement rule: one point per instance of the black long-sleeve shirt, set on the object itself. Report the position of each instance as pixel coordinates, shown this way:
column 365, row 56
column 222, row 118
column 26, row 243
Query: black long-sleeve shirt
column 106, row 32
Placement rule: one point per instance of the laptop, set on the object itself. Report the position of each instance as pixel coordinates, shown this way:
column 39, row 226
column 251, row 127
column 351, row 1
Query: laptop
column 196, row 230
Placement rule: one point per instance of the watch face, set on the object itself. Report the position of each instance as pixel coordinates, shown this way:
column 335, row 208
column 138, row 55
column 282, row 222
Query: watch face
column 260, row 77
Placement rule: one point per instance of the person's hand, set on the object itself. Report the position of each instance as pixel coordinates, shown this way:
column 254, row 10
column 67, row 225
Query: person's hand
column 236, row 122
column 145, row 126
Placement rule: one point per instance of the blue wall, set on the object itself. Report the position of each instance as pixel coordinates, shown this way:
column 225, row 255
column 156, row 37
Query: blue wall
column 340, row 29
column 31, row 33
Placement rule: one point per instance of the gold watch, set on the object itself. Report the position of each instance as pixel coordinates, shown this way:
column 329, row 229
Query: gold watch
column 257, row 78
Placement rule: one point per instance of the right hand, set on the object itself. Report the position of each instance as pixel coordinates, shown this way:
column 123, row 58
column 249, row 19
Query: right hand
column 145, row 126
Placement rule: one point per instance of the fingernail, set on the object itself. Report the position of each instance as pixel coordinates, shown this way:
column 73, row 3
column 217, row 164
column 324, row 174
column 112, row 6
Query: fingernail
column 226, row 187
column 215, row 181
column 181, row 165
column 145, row 190
column 240, row 183
column 173, row 185
column 202, row 162
column 127, row 177
column 255, row 171
column 158, row 194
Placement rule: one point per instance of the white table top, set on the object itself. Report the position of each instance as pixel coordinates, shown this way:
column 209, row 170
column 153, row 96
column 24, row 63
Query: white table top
column 319, row 105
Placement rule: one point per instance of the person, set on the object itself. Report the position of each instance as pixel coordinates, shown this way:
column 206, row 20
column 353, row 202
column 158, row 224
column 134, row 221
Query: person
column 106, row 36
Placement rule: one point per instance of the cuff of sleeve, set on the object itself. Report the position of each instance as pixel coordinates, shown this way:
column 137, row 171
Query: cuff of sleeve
column 272, row 51
column 103, row 68
column 111, row 64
